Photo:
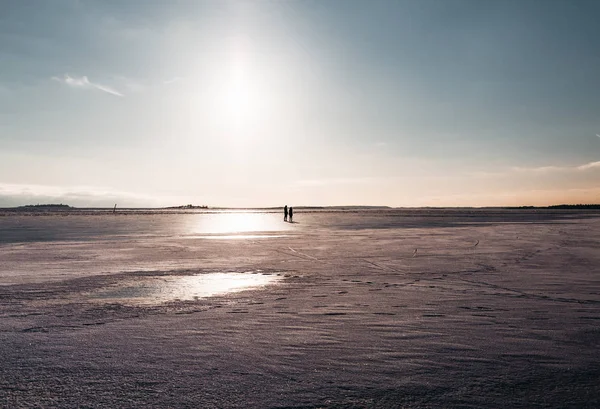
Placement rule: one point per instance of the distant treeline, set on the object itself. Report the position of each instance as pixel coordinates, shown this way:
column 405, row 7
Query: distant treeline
column 189, row 206
column 562, row 206
column 45, row 206
column 576, row 206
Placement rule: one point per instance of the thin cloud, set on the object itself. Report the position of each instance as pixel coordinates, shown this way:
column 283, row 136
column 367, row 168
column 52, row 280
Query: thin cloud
column 590, row 165
column 540, row 169
column 337, row 181
column 85, row 83
column 132, row 85
column 172, row 80
column 79, row 196
column 598, row 135
column 549, row 169
column 486, row 174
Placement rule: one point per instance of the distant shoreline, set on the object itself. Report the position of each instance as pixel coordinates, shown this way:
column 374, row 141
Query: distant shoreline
column 51, row 208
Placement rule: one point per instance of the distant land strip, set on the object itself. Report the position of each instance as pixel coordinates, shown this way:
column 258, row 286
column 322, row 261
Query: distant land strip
column 65, row 207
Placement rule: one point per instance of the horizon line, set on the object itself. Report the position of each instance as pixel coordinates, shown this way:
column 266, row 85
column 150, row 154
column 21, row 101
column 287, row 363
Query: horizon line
column 61, row 206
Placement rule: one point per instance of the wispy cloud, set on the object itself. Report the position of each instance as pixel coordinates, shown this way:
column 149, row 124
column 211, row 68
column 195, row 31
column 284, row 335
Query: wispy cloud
column 590, row 165
column 540, row 169
column 337, row 181
column 83, row 196
column 486, row 174
column 85, row 83
column 598, row 135
column 131, row 85
column 172, row 80
column 549, row 169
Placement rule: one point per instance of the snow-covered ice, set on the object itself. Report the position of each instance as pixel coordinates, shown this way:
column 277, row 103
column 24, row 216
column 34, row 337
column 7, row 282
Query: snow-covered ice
column 423, row 308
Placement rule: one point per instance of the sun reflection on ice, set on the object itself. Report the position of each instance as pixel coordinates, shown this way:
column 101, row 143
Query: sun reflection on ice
column 153, row 290
column 238, row 222
column 207, row 285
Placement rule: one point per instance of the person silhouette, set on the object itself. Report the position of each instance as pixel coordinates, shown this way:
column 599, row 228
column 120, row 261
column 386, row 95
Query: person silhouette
column 291, row 212
column 285, row 213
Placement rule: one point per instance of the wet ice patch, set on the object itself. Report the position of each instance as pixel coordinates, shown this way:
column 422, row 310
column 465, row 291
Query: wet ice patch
column 154, row 290
column 230, row 223
column 237, row 236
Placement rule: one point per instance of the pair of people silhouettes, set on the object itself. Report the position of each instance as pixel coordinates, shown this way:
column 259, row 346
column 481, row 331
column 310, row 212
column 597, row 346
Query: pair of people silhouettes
column 287, row 213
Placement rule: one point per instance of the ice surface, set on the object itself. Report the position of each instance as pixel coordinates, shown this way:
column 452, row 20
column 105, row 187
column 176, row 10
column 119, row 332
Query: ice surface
column 156, row 290
column 399, row 308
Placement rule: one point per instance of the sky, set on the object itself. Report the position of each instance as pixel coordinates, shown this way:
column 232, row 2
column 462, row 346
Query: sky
column 149, row 103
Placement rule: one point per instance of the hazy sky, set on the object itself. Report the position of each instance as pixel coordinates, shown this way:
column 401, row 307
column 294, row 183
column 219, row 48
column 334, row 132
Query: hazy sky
column 262, row 103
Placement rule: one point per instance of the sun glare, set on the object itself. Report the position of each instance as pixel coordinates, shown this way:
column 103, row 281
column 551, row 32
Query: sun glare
column 242, row 106
column 237, row 222
column 237, row 102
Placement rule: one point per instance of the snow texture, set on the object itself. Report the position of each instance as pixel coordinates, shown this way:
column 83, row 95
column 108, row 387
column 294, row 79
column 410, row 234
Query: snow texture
column 448, row 308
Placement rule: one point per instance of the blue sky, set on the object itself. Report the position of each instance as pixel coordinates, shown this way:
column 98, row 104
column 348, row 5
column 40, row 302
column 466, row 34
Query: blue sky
column 399, row 103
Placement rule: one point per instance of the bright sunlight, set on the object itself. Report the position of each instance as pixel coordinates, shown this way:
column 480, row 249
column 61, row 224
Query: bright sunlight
column 242, row 103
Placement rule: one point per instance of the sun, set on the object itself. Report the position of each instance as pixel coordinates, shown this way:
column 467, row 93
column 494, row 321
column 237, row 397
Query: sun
column 241, row 102
column 238, row 97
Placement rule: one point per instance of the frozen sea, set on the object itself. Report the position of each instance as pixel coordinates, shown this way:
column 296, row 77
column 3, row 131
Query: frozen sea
column 418, row 308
